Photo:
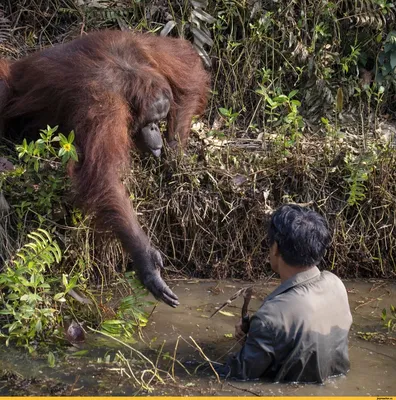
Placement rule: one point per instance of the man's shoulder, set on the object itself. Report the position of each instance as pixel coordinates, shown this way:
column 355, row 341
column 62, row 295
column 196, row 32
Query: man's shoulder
column 334, row 286
column 300, row 297
column 329, row 275
column 272, row 306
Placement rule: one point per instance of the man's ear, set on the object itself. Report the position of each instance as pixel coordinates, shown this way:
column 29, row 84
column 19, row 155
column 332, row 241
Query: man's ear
column 275, row 249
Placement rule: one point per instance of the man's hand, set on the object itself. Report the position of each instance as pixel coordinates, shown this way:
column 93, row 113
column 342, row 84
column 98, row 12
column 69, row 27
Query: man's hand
column 239, row 332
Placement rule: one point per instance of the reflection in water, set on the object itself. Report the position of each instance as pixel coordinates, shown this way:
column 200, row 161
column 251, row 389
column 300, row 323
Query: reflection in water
column 373, row 365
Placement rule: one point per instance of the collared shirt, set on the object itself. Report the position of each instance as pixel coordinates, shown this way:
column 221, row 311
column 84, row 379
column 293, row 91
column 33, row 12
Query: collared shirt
column 300, row 333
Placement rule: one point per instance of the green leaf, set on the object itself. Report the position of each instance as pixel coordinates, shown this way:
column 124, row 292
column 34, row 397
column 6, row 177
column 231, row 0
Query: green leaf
column 73, row 155
column 385, row 69
column 281, row 99
column 51, row 359
column 25, row 297
column 113, row 322
column 13, row 296
column 13, row 326
column 63, row 138
column 39, row 326
column 388, row 47
column 80, row 353
column 44, row 286
column 270, row 101
column 71, row 137
column 224, row 111
column 59, row 296
column 393, row 60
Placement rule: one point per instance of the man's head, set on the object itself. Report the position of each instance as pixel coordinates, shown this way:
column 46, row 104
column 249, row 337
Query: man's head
column 298, row 237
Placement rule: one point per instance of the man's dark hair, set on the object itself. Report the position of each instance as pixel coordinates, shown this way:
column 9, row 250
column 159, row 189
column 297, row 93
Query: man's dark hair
column 302, row 235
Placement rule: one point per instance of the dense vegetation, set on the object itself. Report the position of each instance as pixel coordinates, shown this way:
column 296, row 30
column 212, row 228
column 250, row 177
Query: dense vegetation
column 302, row 110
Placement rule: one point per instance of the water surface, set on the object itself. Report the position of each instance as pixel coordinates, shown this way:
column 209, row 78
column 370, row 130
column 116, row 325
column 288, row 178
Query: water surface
column 373, row 361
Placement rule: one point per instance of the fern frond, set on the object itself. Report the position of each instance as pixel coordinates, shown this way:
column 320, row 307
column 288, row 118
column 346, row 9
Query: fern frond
column 42, row 250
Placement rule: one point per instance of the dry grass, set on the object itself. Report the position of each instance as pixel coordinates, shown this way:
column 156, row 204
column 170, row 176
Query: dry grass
column 207, row 210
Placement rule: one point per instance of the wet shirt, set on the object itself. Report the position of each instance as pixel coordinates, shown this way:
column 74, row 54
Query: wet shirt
column 300, row 333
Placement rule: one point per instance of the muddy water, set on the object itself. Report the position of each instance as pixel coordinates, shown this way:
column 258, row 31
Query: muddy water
column 373, row 361
column 373, row 364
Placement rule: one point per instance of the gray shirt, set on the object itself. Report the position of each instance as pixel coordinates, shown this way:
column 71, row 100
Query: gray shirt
column 300, row 333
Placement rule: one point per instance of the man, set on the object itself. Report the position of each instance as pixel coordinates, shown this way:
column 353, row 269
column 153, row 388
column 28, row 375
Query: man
column 300, row 333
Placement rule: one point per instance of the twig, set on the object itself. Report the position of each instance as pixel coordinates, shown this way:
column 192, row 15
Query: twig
column 232, row 298
column 74, row 384
column 206, row 358
column 244, row 390
column 368, row 302
column 140, row 354
column 377, row 287
column 174, row 356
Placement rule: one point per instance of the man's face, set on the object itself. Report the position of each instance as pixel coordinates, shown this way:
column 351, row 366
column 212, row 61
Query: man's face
column 274, row 257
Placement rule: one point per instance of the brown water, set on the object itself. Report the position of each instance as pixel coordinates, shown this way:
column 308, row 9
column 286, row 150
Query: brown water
column 373, row 362
column 373, row 365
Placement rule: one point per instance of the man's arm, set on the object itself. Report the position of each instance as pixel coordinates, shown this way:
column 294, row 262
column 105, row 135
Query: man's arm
column 256, row 355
